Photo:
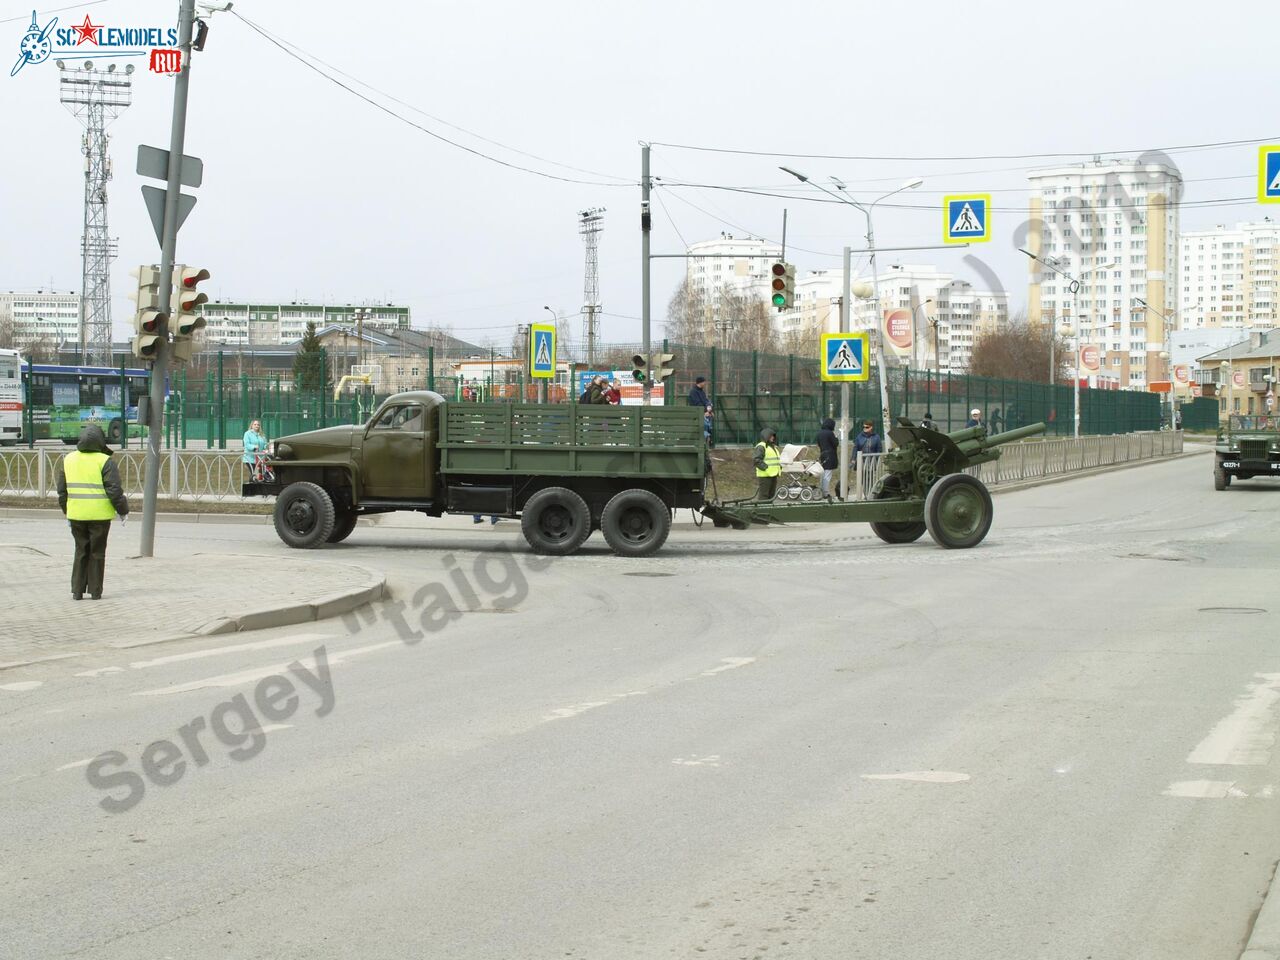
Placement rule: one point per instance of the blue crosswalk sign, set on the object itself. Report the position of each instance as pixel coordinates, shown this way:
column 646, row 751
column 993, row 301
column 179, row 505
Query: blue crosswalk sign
column 966, row 219
column 542, row 350
column 844, row 356
column 1269, row 173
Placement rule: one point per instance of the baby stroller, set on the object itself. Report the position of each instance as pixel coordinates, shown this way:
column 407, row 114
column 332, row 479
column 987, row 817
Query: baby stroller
column 261, row 470
column 797, row 475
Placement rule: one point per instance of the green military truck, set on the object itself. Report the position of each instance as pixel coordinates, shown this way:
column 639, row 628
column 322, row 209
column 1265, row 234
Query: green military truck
column 1247, row 446
column 566, row 470
column 563, row 469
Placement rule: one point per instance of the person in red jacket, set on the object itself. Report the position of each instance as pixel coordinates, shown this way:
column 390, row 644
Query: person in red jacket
column 613, row 393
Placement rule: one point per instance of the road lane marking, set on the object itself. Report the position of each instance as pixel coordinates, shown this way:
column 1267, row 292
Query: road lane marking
column 258, row 673
column 921, row 776
column 21, row 686
column 216, row 651
column 100, row 672
column 728, row 663
column 710, row 761
column 1204, row 789
column 1244, row 737
column 74, row 764
column 564, row 713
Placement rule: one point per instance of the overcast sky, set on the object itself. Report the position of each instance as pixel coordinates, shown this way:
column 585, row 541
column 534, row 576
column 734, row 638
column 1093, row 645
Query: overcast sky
column 312, row 193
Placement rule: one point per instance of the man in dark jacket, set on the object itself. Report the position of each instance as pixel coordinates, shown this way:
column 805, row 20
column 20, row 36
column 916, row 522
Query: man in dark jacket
column 698, row 395
column 828, row 454
column 768, row 461
column 89, row 494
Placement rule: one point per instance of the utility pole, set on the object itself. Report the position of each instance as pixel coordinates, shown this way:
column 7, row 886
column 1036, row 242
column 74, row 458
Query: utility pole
column 646, row 224
column 168, row 249
column 360, row 335
column 591, row 222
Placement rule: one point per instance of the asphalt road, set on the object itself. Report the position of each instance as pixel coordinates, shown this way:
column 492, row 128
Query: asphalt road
column 798, row 743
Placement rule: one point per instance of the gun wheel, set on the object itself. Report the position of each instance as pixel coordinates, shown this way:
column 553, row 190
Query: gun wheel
column 899, row 531
column 958, row 512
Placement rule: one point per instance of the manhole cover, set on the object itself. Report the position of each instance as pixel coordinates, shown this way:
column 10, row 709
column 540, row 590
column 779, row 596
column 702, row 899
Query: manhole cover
column 1232, row 610
column 646, row 573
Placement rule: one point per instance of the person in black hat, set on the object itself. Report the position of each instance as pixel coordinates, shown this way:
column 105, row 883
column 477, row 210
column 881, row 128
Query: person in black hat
column 698, row 395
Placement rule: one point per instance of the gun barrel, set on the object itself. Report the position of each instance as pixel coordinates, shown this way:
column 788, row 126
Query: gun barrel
column 1009, row 436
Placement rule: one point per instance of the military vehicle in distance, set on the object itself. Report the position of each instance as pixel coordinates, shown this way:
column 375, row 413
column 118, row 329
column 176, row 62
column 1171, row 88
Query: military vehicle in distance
column 1247, row 446
column 566, row 470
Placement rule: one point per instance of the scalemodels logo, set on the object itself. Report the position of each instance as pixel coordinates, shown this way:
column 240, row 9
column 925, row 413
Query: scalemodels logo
column 159, row 44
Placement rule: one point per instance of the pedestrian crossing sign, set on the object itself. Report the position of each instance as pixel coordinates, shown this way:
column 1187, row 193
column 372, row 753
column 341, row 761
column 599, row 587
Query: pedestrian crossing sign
column 844, row 357
column 966, row 219
column 1269, row 173
column 542, row 350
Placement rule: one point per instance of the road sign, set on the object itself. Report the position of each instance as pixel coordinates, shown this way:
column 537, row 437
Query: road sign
column 1269, row 173
column 542, row 350
column 844, row 357
column 966, row 218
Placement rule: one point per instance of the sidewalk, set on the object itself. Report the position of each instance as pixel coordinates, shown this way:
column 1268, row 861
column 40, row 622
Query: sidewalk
column 148, row 600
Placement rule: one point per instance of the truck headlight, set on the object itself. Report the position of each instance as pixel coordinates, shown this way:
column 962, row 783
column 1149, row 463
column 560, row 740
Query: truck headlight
column 283, row 451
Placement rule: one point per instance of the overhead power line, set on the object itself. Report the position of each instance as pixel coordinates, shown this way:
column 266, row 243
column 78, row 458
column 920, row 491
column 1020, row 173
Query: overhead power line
column 281, row 45
column 990, row 156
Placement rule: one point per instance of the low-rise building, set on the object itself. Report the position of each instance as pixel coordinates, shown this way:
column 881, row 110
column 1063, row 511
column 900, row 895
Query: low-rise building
column 280, row 323
column 1245, row 375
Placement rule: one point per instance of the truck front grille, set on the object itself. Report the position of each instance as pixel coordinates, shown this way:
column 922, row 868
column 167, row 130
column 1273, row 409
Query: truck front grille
column 1253, row 449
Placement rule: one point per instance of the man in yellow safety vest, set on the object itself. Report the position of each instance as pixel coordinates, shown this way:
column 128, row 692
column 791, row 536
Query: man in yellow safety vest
column 768, row 461
column 90, row 495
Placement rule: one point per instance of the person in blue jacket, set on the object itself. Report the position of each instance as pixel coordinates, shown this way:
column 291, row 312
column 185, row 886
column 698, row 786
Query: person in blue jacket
column 255, row 444
column 698, row 394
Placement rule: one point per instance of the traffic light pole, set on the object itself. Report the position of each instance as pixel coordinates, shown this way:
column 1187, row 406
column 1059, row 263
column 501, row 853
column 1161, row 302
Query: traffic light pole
column 845, row 303
column 646, row 222
column 168, row 249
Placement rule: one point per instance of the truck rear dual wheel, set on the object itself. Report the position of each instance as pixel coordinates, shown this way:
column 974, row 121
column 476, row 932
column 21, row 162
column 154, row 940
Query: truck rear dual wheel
column 635, row 523
column 304, row 516
column 555, row 521
column 958, row 512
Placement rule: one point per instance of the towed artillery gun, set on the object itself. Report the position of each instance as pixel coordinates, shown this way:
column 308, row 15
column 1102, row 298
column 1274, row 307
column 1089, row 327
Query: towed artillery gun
column 922, row 487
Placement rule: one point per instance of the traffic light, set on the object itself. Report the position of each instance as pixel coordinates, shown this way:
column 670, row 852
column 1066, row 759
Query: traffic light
column 783, row 283
column 185, row 321
column 639, row 368
column 662, row 366
column 148, row 319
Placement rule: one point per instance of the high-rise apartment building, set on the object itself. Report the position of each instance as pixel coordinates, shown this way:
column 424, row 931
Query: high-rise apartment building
column 1110, row 230
column 740, row 265
column 280, row 323
column 1229, row 277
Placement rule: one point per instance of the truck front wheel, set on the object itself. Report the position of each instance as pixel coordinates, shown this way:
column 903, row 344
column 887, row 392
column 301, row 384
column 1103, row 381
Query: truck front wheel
column 1221, row 479
column 635, row 523
column 555, row 521
column 304, row 515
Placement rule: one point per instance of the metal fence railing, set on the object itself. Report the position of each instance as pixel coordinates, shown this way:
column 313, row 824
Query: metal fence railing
column 215, row 476
column 1035, row 459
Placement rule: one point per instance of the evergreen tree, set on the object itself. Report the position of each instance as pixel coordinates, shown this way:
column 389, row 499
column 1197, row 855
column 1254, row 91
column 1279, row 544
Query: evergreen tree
column 309, row 362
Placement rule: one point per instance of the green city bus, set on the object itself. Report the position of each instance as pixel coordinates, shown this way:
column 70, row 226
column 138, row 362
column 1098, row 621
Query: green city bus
column 62, row 400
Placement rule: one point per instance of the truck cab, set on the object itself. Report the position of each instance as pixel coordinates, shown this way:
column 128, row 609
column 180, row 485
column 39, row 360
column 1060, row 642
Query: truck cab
column 1247, row 446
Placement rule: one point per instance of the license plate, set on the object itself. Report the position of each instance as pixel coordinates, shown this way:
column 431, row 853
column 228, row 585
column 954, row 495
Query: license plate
column 1230, row 464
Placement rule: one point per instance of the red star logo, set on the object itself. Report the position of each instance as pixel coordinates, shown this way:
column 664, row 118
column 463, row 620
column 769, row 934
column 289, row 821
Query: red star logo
column 88, row 31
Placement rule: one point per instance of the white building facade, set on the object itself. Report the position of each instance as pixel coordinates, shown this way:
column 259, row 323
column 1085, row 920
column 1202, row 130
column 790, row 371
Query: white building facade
column 44, row 316
column 740, row 265
column 1228, row 277
column 953, row 309
column 274, row 324
column 1112, row 227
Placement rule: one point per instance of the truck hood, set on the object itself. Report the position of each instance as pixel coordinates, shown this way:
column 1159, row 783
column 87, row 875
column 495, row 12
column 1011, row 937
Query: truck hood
column 330, row 442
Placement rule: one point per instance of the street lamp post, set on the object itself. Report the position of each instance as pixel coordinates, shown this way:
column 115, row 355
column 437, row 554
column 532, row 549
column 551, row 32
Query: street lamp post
column 1225, row 367
column 915, row 324
column 875, row 280
column 1167, row 354
column 1073, row 286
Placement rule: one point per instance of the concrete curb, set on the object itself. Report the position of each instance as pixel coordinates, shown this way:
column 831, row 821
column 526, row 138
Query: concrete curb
column 1264, row 939
column 323, row 607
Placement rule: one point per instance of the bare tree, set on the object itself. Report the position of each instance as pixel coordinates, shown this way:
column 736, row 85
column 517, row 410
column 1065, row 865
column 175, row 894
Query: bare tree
column 40, row 350
column 1019, row 351
column 7, row 328
column 689, row 317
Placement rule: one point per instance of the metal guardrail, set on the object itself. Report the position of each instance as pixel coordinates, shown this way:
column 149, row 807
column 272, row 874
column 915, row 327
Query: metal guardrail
column 215, row 476
column 1034, row 459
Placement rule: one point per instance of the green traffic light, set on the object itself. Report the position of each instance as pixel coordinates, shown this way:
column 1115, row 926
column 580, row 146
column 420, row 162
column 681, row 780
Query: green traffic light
column 779, row 300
